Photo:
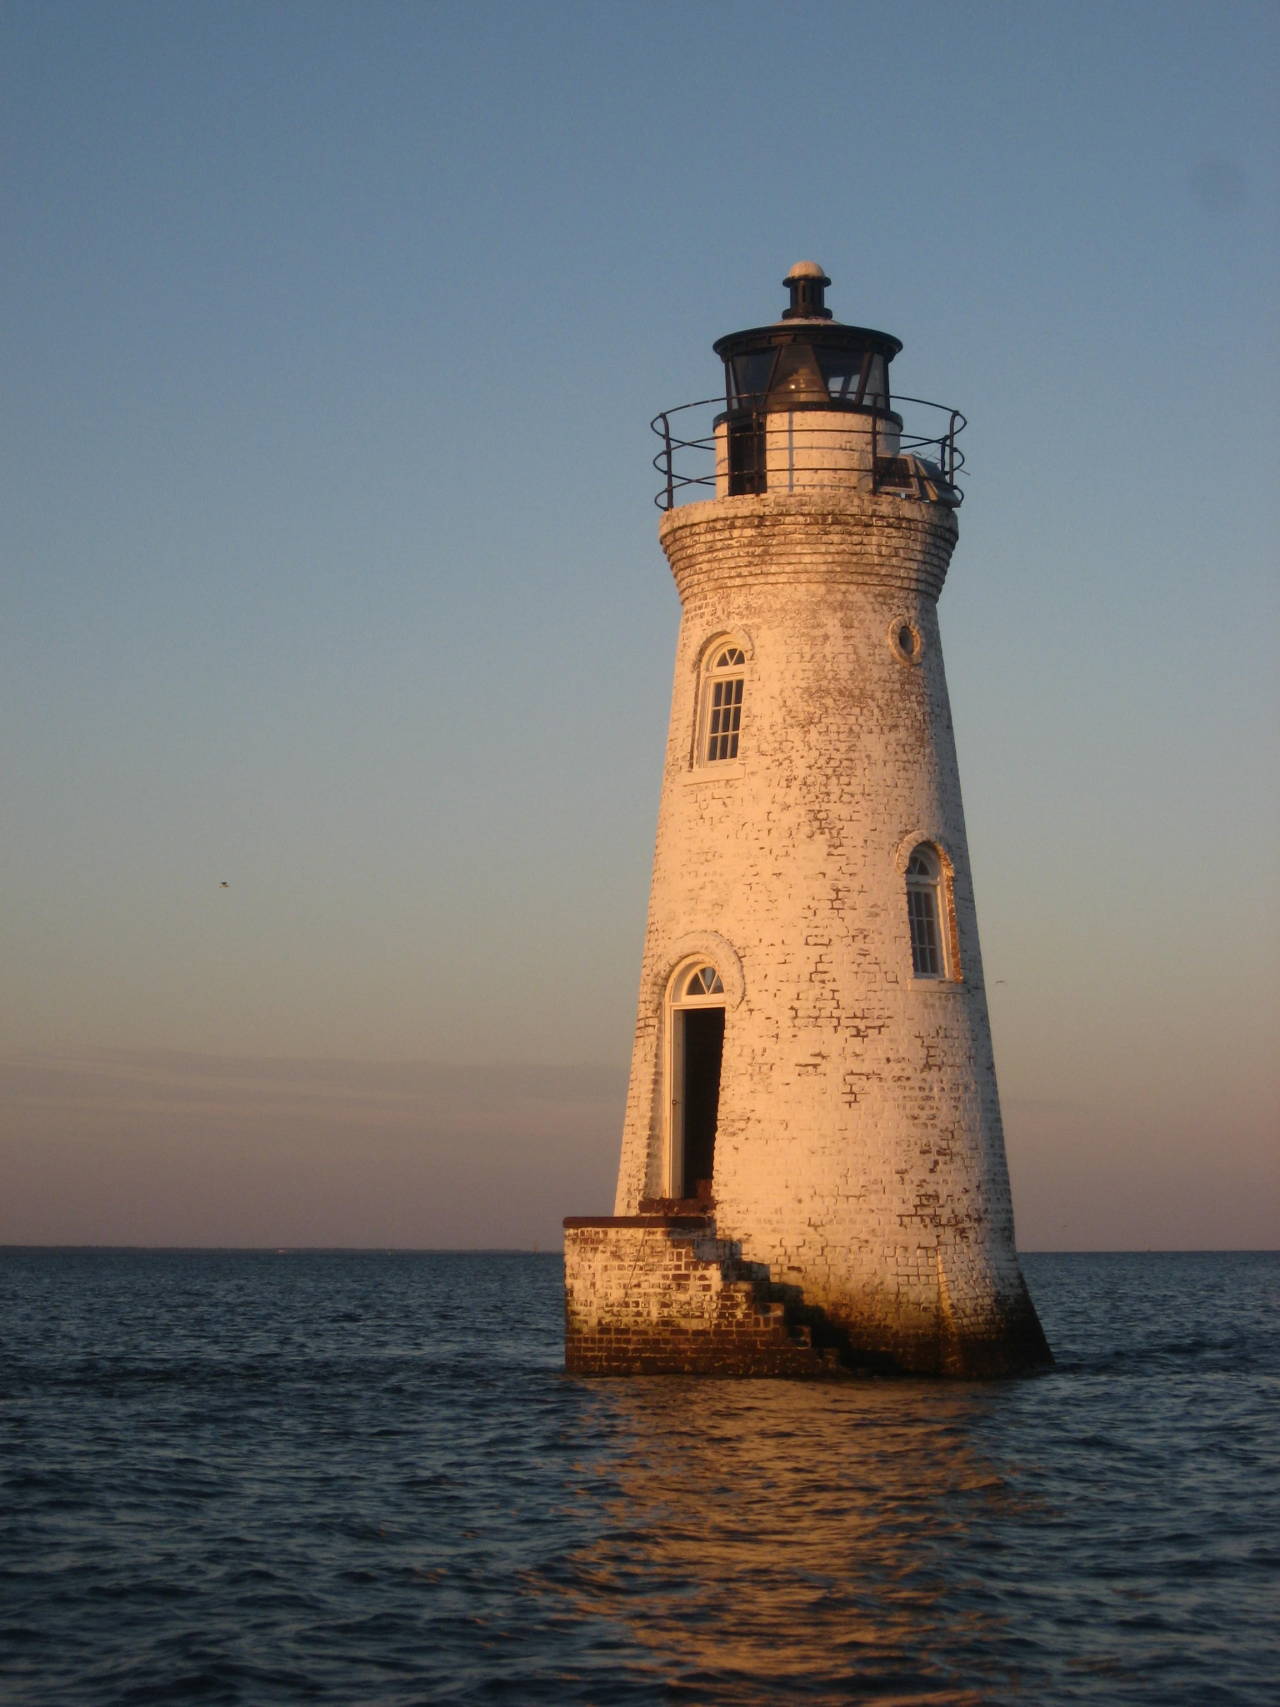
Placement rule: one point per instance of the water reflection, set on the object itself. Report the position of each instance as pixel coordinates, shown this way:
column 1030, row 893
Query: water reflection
column 812, row 1543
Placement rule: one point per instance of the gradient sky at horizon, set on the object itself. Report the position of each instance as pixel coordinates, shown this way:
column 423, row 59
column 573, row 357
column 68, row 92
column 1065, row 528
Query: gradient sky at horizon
column 333, row 335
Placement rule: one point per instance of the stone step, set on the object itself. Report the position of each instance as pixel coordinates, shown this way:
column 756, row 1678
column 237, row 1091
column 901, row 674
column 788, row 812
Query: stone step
column 646, row 1297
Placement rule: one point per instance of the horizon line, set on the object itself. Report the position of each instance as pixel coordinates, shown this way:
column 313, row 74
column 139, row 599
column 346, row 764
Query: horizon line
column 539, row 1250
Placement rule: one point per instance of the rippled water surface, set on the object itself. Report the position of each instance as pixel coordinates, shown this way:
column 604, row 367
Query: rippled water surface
column 361, row 1479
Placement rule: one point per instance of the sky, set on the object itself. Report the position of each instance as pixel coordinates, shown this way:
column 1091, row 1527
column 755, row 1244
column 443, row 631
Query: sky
column 338, row 639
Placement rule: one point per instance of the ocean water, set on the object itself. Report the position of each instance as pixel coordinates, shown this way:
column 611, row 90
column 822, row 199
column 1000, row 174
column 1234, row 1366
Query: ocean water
column 361, row 1479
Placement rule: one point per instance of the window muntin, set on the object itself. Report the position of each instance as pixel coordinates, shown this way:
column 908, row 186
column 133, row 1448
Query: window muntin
column 725, row 723
column 723, row 694
column 702, row 982
column 925, row 913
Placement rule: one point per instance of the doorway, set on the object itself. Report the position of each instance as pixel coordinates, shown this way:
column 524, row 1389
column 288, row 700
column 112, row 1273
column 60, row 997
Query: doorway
column 701, row 1050
column 697, row 1050
column 746, row 455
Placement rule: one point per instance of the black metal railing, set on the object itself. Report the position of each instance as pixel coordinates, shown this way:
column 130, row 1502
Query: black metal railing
column 687, row 463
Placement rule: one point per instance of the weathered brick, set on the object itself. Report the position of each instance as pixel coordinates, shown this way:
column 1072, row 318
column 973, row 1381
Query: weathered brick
column 859, row 1155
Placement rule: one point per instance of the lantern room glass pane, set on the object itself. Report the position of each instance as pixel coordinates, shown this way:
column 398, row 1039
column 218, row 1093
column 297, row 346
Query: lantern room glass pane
column 797, row 377
column 750, row 375
column 876, row 394
column 842, row 370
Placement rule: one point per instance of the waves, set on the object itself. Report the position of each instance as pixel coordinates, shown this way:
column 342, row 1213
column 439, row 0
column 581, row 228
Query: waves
column 362, row 1479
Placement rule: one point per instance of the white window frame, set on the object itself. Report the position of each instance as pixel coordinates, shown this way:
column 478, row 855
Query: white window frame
column 723, row 675
column 930, row 912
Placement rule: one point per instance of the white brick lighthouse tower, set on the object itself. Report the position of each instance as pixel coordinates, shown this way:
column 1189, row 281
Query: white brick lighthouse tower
column 813, row 1173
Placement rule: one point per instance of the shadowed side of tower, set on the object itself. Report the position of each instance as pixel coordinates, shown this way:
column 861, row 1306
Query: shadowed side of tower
column 812, row 1173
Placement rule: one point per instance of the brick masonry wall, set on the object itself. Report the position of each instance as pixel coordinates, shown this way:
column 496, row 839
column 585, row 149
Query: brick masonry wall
column 859, row 1153
column 663, row 1295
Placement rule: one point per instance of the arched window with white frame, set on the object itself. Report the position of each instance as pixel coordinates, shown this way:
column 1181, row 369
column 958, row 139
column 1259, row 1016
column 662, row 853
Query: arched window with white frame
column 928, row 914
column 724, row 681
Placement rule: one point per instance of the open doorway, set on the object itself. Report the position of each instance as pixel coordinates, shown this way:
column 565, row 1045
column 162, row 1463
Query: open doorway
column 697, row 1050
column 747, row 455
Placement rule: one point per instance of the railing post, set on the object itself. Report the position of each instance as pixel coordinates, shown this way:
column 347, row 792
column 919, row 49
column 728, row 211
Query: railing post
column 667, row 453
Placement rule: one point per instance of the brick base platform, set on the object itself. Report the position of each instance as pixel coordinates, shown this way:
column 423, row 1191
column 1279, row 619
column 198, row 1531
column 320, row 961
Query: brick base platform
column 662, row 1295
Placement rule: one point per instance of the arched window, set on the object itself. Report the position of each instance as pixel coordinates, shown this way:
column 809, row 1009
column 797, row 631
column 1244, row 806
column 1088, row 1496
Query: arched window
column 927, row 913
column 724, row 682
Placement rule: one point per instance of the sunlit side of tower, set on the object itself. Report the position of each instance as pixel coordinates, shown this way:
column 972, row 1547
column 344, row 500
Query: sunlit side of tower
column 813, row 1173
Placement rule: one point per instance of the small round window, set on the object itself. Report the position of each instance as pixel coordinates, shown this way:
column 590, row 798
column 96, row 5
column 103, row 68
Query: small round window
column 905, row 640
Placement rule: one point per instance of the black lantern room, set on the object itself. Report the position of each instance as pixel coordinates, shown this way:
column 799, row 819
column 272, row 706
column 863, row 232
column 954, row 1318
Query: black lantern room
column 806, row 360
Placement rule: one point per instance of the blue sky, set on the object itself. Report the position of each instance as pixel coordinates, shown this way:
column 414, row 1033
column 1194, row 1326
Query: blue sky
column 333, row 333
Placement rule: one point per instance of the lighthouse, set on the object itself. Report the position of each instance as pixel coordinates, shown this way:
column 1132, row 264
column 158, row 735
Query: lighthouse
column 812, row 1175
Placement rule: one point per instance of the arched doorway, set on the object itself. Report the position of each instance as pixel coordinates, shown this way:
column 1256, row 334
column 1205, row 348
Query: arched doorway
column 696, row 1046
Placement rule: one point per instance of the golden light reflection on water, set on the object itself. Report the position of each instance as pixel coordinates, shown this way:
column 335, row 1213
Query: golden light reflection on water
column 805, row 1539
